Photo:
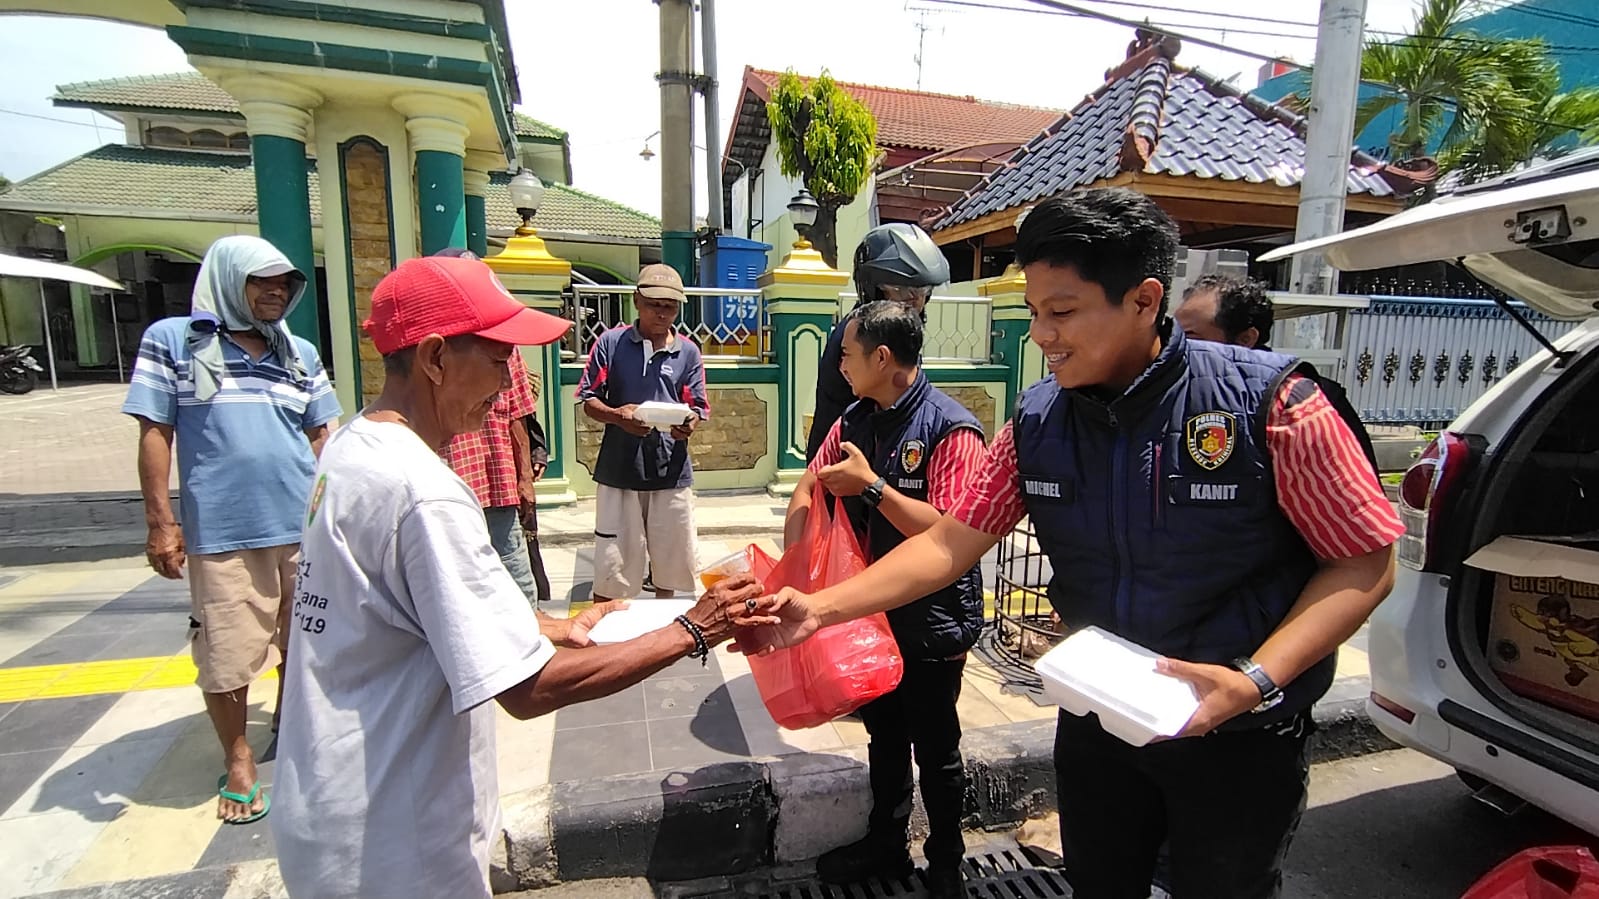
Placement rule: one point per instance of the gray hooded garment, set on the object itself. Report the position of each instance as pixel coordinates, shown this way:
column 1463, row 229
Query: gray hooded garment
column 220, row 303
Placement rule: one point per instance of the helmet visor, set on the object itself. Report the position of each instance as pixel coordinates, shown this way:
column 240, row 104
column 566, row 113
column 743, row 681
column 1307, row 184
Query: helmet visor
column 905, row 294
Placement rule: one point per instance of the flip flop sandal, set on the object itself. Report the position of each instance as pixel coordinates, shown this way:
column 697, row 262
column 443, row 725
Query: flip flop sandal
column 249, row 800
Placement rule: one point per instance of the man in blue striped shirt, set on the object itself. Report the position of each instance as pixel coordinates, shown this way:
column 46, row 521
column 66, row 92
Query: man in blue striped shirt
column 249, row 406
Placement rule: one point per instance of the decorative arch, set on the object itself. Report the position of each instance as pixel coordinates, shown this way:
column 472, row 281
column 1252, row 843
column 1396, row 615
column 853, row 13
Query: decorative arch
column 595, row 267
column 99, row 254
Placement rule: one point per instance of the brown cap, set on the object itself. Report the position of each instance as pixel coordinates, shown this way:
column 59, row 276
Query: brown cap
column 661, row 282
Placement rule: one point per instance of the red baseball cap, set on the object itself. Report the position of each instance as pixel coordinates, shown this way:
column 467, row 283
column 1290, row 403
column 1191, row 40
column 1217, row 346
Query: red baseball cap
column 451, row 296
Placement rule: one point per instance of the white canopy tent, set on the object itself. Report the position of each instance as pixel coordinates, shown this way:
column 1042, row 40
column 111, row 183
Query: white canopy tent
column 19, row 267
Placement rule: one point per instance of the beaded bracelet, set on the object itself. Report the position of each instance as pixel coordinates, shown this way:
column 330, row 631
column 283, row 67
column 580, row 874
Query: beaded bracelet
column 701, row 650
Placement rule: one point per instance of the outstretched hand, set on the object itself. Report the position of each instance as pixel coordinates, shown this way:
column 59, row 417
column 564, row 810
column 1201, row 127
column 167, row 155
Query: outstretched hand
column 772, row 622
column 578, row 628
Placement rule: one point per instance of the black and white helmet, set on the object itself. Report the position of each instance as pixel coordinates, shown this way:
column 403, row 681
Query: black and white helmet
column 898, row 261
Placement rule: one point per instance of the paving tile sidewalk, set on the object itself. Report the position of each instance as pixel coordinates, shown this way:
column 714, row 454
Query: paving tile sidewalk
column 110, row 786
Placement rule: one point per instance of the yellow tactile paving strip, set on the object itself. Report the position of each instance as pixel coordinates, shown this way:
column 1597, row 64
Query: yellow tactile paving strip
column 94, row 678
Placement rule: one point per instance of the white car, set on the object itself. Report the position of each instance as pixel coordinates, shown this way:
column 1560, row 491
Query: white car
column 1523, row 460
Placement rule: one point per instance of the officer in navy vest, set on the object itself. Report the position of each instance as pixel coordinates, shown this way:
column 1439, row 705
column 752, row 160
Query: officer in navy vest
column 896, row 458
column 1150, row 466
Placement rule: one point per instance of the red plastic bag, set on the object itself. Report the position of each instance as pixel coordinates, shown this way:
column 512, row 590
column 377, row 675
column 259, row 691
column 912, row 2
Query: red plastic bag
column 842, row 667
column 1546, row 872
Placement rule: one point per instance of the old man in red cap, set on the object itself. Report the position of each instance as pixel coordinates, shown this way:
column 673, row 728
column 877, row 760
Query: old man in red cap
column 405, row 624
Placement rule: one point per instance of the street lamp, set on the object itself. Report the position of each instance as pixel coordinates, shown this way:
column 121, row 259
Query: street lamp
column 527, row 192
column 647, row 154
column 802, row 211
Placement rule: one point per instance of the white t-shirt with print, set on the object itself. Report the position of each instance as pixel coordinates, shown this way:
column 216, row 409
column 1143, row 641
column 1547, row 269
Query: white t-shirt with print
column 405, row 625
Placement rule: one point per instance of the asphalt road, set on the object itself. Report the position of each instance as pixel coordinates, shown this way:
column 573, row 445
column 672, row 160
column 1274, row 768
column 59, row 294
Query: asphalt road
column 1397, row 824
column 1392, row 825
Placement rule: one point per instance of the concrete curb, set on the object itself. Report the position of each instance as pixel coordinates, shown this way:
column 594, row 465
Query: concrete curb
column 729, row 818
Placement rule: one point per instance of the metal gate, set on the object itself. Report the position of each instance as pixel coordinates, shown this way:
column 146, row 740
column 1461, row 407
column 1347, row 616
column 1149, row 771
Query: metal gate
column 1421, row 362
column 1023, row 626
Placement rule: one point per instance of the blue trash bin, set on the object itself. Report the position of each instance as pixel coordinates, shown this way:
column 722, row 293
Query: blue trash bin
column 733, row 323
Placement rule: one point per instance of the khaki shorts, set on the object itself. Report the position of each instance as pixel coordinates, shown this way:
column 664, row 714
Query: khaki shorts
column 635, row 526
column 240, row 601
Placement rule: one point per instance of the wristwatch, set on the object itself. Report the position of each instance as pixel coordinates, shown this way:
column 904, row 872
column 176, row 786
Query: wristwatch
column 872, row 494
column 1270, row 693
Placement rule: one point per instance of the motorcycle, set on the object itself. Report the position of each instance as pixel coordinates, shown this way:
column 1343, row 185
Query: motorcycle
column 19, row 371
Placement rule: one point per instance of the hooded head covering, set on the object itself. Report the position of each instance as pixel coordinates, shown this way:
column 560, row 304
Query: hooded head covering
column 220, row 302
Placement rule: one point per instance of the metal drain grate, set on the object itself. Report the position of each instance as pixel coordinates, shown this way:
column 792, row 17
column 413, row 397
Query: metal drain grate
column 1002, row 874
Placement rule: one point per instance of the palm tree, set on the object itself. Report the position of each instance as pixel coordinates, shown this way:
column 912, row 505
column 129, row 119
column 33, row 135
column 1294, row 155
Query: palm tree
column 1487, row 104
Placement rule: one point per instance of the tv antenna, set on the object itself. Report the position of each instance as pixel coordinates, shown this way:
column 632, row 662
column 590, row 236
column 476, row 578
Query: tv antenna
column 922, row 28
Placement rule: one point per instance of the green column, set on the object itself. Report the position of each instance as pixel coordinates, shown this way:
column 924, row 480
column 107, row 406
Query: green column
column 283, row 204
column 801, row 297
column 677, row 250
column 477, row 225
column 552, row 410
column 1007, row 294
column 440, row 200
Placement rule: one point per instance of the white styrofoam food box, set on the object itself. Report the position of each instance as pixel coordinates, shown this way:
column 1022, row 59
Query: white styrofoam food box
column 640, row 617
column 1094, row 670
column 663, row 415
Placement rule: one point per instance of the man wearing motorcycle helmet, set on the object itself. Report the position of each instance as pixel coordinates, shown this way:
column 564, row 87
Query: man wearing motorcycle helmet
column 898, row 262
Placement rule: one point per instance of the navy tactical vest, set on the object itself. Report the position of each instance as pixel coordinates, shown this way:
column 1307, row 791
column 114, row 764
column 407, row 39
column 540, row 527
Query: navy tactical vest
column 899, row 442
column 1159, row 513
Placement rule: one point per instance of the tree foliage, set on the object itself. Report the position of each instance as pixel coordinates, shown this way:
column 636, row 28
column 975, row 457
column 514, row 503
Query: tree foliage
column 1486, row 103
column 827, row 139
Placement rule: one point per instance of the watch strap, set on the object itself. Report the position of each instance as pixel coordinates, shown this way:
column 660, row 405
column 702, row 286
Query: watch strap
column 873, row 494
column 1270, row 693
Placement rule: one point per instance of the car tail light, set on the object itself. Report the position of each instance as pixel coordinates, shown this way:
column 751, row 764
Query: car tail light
column 1392, row 708
column 1426, row 495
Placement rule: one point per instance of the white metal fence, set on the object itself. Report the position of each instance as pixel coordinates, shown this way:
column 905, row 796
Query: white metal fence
column 731, row 324
column 1421, row 362
column 727, row 323
column 959, row 329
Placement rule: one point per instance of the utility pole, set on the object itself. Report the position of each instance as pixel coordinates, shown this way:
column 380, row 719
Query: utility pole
column 1334, row 89
column 677, row 80
column 713, row 117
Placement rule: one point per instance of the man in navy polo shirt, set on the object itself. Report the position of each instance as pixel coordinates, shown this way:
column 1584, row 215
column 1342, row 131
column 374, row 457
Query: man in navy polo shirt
column 644, row 502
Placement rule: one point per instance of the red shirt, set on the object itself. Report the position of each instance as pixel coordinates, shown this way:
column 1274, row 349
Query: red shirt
column 484, row 458
column 1325, row 487
column 949, row 472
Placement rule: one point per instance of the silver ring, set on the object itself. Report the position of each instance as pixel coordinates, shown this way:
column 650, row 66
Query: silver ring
column 749, row 605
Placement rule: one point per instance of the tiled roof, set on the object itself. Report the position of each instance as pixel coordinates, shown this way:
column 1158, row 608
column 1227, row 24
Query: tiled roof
column 193, row 92
column 569, row 210
column 198, row 185
column 527, row 126
column 1157, row 118
column 181, row 91
column 186, row 183
column 926, row 121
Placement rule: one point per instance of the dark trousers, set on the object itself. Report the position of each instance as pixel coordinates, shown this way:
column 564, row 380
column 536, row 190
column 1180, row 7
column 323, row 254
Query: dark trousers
column 541, row 580
column 1227, row 805
column 919, row 715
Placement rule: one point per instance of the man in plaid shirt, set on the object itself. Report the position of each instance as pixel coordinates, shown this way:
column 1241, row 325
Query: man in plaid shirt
column 495, row 462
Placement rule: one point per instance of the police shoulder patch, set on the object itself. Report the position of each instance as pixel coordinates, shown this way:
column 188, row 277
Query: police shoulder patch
column 1211, row 437
column 911, row 455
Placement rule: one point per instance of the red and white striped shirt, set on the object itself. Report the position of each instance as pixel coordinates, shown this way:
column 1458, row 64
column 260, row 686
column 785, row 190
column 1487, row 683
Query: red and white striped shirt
column 1325, row 487
column 950, row 471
